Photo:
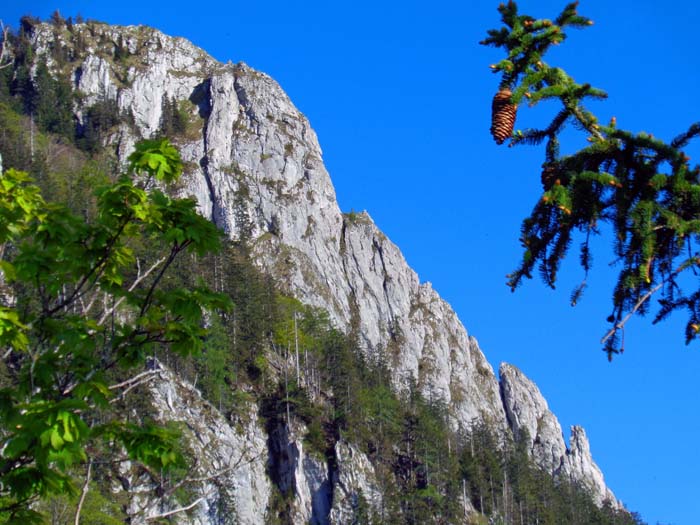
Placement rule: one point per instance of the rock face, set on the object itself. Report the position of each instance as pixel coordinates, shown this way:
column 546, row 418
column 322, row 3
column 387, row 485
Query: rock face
column 529, row 418
column 255, row 167
column 354, row 483
column 237, row 463
column 254, row 164
column 231, row 456
column 300, row 473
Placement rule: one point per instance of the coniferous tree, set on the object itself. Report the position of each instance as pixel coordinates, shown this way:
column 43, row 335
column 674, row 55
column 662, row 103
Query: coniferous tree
column 173, row 121
column 57, row 20
column 49, row 101
column 100, row 117
column 21, row 86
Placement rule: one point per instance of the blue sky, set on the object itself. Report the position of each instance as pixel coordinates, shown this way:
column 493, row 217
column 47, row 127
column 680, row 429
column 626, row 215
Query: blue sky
column 399, row 94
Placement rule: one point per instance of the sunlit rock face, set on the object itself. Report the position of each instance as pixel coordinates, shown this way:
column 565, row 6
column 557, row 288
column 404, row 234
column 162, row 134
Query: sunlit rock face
column 238, row 464
column 529, row 418
column 255, row 167
column 231, row 459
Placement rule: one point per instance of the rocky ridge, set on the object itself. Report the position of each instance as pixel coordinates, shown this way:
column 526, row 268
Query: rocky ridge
column 529, row 417
column 255, row 167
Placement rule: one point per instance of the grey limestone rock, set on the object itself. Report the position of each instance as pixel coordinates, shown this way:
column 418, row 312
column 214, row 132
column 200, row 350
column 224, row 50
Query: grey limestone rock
column 355, row 485
column 231, row 457
column 301, row 473
column 581, row 468
column 529, row 418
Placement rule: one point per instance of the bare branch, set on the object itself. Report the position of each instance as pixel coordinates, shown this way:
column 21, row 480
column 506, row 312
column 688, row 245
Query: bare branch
column 177, row 511
column 130, row 384
column 215, row 475
column 92, row 276
column 136, row 282
column 134, row 379
column 83, row 492
column 174, row 250
column 187, row 479
column 3, row 50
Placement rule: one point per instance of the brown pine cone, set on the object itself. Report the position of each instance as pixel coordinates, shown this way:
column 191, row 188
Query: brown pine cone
column 502, row 116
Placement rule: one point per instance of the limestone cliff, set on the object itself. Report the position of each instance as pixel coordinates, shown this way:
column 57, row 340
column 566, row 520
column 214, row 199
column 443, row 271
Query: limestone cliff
column 255, row 167
column 530, row 418
column 254, row 164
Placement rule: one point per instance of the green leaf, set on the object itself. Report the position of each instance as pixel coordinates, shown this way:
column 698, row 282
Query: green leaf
column 158, row 158
column 56, row 440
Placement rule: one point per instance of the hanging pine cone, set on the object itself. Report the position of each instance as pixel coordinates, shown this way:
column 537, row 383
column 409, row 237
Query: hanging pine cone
column 502, row 115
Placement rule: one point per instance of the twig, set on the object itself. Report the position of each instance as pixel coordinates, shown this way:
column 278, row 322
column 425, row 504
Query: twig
column 123, row 394
column 83, row 492
column 218, row 473
column 187, row 479
column 132, row 383
column 646, row 297
column 95, row 271
column 140, row 278
column 176, row 511
column 137, row 377
column 174, row 250
column 128, row 382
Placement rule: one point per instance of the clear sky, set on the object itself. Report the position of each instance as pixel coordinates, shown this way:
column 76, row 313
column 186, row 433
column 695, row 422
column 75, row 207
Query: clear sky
column 399, row 94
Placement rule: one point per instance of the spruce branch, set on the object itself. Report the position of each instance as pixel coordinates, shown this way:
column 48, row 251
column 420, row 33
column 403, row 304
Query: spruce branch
column 641, row 185
column 683, row 139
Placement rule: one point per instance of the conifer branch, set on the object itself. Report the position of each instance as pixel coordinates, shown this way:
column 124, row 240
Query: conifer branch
column 619, row 179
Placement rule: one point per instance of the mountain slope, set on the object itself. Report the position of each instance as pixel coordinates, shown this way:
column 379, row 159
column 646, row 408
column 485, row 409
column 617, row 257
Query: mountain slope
column 255, row 166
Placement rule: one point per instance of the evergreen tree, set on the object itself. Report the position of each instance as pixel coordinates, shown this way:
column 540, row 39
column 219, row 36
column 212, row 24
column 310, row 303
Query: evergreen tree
column 101, row 117
column 173, row 120
column 50, row 103
column 645, row 189
column 21, row 86
column 57, row 20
